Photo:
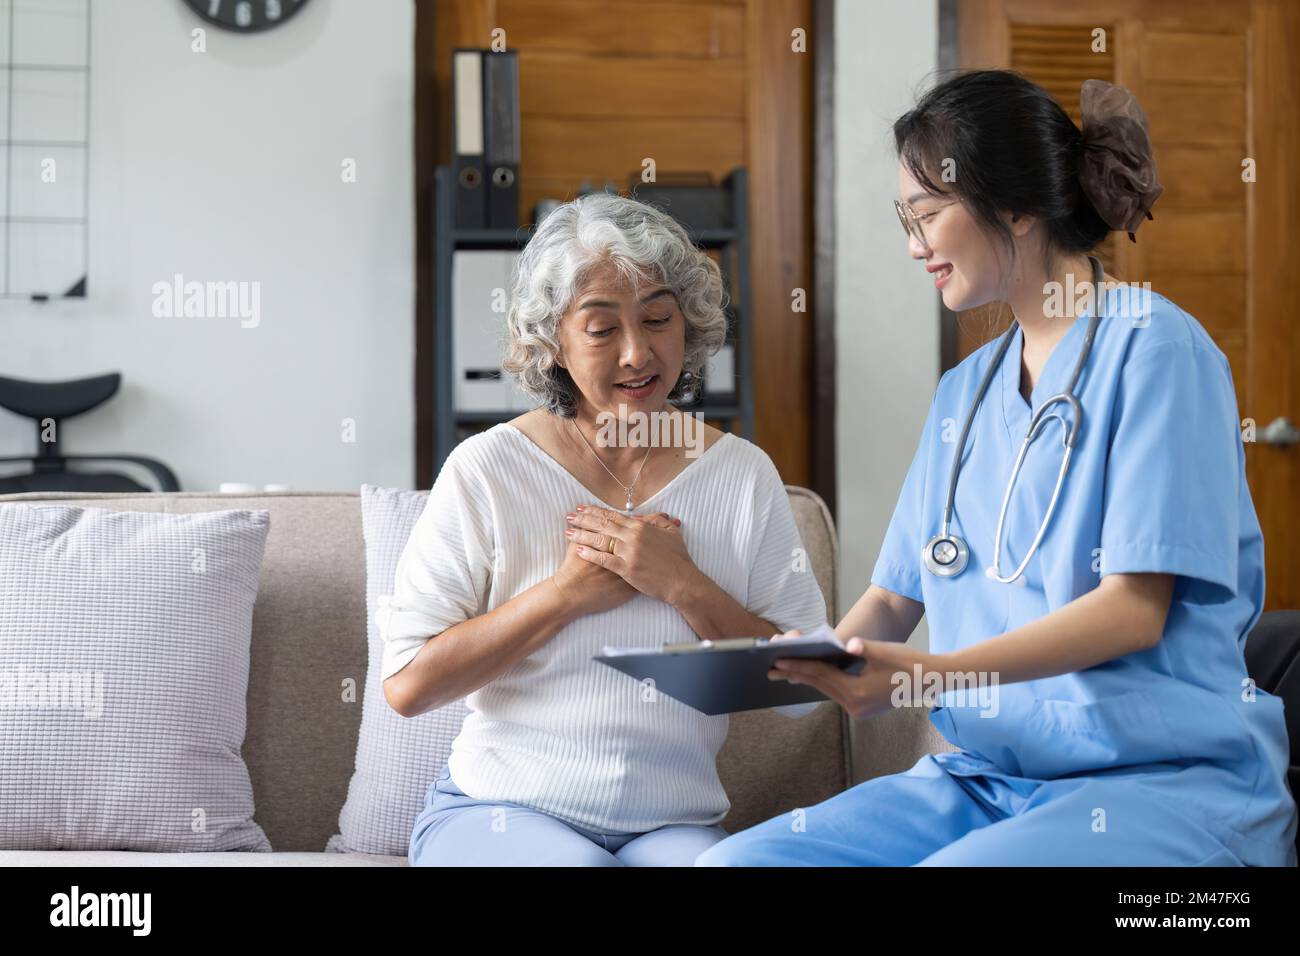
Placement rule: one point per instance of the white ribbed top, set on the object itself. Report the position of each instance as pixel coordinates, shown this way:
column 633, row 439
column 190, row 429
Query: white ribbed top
column 558, row 731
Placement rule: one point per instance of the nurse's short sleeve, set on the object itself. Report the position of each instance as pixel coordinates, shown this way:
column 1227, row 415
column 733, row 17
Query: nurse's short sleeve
column 782, row 586
column 443, row 574
column 898, row 567
column 1174, row 468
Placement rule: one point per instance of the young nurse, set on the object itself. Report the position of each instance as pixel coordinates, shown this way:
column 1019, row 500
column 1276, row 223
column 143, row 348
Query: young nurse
column 1102, row 601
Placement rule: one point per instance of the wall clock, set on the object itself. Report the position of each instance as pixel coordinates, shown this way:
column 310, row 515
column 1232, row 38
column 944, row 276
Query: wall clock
column 246, row 16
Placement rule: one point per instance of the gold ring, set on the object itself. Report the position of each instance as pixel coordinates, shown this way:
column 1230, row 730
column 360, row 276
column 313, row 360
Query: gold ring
column 610, row 539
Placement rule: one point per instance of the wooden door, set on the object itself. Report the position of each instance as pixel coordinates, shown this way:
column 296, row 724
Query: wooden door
column 1221, row 88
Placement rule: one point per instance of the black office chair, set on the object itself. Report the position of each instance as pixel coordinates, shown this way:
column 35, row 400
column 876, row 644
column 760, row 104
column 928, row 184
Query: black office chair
column 1273, row 662
column 55, row 401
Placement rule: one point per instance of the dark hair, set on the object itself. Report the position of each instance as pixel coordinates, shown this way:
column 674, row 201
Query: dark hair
column 1014, row 149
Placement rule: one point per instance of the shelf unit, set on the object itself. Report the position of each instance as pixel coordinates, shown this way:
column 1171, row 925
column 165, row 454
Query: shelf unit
column 732, row 244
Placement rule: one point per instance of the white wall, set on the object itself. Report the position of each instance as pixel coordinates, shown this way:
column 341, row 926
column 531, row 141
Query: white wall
column 225, row 166
column 887, row 311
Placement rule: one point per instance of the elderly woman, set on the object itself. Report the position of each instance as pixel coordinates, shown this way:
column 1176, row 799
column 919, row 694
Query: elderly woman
column 543, row 541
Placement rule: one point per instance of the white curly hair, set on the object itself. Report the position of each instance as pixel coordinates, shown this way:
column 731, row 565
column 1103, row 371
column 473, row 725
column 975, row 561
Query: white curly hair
column 645, row 244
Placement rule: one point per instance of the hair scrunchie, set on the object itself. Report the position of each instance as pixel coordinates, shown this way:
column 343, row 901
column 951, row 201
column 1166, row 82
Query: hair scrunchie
column 1117, row 170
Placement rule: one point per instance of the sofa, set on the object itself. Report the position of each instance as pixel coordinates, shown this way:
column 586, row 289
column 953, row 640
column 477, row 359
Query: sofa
column 309, row 627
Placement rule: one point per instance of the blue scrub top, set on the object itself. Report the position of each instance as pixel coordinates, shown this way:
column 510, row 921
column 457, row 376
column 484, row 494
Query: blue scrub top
column 1156, row 484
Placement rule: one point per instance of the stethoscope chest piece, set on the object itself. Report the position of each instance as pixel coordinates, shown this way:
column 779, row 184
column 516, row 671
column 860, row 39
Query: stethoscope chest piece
column 945, row 555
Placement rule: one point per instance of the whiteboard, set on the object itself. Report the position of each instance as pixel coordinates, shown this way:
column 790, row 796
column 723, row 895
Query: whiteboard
column 44, row 162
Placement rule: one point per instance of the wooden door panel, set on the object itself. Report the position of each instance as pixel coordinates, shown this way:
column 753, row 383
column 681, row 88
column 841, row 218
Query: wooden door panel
column 1274, row 356
column 1221, row 300
column 1202, row 114
column 1197, row 242
column 1194, row 57
column 1199, row 175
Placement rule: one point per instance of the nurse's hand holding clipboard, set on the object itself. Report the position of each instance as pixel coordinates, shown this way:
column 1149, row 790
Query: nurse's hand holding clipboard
column 870, row 691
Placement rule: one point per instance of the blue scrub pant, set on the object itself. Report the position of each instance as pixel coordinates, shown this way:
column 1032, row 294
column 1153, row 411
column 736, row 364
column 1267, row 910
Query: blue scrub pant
column 457, row 830
column 961, row 811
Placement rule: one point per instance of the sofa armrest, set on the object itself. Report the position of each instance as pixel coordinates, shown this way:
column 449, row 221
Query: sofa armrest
column 892, row 742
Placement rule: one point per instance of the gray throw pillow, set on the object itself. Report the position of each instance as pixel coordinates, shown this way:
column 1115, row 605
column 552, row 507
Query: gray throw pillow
column 397, row 757
column 124, row 640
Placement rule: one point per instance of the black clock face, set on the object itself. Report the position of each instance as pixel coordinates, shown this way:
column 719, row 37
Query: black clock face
column 246, row 16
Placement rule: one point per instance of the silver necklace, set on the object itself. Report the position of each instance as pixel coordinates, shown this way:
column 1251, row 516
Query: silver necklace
column 627, row 489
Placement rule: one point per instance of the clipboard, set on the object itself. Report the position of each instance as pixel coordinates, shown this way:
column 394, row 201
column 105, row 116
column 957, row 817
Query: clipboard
column 730, row 675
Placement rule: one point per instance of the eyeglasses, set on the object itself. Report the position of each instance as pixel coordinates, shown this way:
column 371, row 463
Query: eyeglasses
column 911, row 220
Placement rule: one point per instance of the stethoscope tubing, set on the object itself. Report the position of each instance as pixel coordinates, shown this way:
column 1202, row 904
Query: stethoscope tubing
column 1038, row 420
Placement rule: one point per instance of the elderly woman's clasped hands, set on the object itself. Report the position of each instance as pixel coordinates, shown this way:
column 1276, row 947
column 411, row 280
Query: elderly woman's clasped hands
column 646, row 552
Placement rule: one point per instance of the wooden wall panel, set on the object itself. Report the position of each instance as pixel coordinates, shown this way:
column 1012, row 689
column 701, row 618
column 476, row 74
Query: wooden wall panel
column 780, row 163
column 591, row 87
column 569, row 149
column 698, row 85
column 669, row 29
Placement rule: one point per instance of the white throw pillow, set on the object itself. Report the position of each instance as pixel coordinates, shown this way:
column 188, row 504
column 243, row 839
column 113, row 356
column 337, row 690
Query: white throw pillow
column 124, row 641
column 397, row 757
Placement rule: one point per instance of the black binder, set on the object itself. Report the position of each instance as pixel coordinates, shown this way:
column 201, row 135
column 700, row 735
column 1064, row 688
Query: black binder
column 501, row 126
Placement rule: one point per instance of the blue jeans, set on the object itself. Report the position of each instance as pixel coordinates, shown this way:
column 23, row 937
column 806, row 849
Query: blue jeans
column 457, row 830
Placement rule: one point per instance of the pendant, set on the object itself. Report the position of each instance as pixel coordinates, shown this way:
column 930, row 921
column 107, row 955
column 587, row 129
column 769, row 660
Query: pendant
column 627, row 507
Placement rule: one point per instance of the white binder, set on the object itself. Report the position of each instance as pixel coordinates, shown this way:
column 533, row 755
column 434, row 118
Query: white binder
column 480, row 283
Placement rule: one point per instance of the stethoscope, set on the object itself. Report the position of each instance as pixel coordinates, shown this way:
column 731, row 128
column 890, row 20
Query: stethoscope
column 947, row 554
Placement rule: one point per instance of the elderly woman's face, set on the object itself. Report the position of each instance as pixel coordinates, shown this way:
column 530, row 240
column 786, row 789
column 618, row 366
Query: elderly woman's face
column 622, row 345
